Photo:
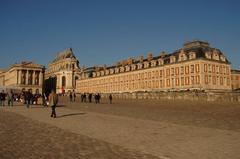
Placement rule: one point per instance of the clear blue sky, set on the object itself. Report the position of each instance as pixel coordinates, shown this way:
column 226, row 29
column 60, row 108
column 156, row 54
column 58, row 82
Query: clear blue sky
column 106, row 31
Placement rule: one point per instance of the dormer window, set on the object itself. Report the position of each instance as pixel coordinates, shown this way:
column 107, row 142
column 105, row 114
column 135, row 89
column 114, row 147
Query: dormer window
column 146, row 64
column 127, row 68
column 192, row 55
column 106, row 72
column 153, row 63
column 182, row 56
column 223, row 58
column 133, row 67
column 172, row 59
column 111, row 71
column 139, row 65
column 116, row 70
column 102, row 73
column 160, row 61
column 208, row 55
column 98, row 74
column 122, row 69
column 216, row 55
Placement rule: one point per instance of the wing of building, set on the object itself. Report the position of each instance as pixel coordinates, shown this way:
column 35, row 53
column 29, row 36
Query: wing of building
column 62, row 72
column 196, row 66
column 23, row 76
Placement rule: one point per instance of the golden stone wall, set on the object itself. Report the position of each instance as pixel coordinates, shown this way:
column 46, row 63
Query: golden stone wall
column 235, row 77
column 23, row 76
column 188, row 74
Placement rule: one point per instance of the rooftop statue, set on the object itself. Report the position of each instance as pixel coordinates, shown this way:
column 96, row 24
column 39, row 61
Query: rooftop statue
column 64, row 54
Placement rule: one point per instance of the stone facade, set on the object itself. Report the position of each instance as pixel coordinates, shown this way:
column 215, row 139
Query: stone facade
column 23, row 76
column 235, row 79
column 196, row 66
column 65, row 69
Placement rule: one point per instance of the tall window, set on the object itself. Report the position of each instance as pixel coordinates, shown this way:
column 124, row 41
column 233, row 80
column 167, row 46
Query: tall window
column 63, row 81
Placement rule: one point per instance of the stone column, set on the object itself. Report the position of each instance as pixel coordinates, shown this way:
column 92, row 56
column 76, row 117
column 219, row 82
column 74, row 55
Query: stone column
column 27, row 74
column 40, row 78
column 33, row 78
column 17, row 77
column 20, row 77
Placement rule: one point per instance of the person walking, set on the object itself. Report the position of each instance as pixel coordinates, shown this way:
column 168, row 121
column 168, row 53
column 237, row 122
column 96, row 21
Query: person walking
column 3, row 98
column 53, row 100
column 110, row 99
column 74, row 96
column 0, row 98
column 10, row 97
column 28, row 97
column 70, row 96
column 90, row 97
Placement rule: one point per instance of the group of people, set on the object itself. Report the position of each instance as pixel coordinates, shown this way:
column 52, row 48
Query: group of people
column 52, row 99
column 97, row 98
column 84, row 96
column 10, row 96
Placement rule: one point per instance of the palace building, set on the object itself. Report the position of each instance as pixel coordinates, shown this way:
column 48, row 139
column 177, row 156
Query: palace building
column 62, row 72
column 196, row 66
column 23, row 76
column 235, row 79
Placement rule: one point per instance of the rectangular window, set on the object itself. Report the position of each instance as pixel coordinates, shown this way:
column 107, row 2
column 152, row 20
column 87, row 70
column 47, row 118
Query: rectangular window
column 206, row 79
column 197, row 68
column 172, row 82
column 172, row 71
column 182, row 81
column 168, row 82
column 214, row 80
column 182, row 69
column 224, row 70
column 209, row 68
column 205, row 68
column 186, row 80
column 192, row 80
column 161, row 73
column 177, row 81
column 221, row 80
column 168, row 72
column 198, row 79
column 153, row 74
column 217, row 69
column 213, row 69
column 157, row 74
column 149, row 75
column 220, row 70
column 227, row 70
column 187, row 70
column 177, row 70
column 192, row 68
column 228, row 81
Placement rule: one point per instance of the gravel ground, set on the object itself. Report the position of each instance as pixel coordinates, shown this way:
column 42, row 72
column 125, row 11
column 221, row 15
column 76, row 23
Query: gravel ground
column 23, row 138
column 224, row 115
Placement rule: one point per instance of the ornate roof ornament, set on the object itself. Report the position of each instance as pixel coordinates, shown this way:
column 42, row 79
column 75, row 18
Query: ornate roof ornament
column 68, row 53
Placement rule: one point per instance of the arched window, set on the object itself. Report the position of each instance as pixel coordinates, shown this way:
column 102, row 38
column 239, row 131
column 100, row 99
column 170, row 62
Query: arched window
column 63, row 81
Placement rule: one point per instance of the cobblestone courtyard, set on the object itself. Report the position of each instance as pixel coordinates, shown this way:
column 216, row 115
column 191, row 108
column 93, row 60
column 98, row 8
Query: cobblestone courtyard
column 125, row 129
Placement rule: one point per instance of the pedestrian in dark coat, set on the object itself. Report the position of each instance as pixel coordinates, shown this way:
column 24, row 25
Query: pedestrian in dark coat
column 71, row 96
column 3, row 98
column 53, row 100
column 28, row 98
column 110, row 99
column 90, row 98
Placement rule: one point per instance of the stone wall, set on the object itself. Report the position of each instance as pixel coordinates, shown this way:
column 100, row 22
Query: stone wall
column 193, row 96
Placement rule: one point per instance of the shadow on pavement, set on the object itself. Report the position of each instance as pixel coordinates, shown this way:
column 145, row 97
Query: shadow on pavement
column 71, row 114
column 61, row 105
